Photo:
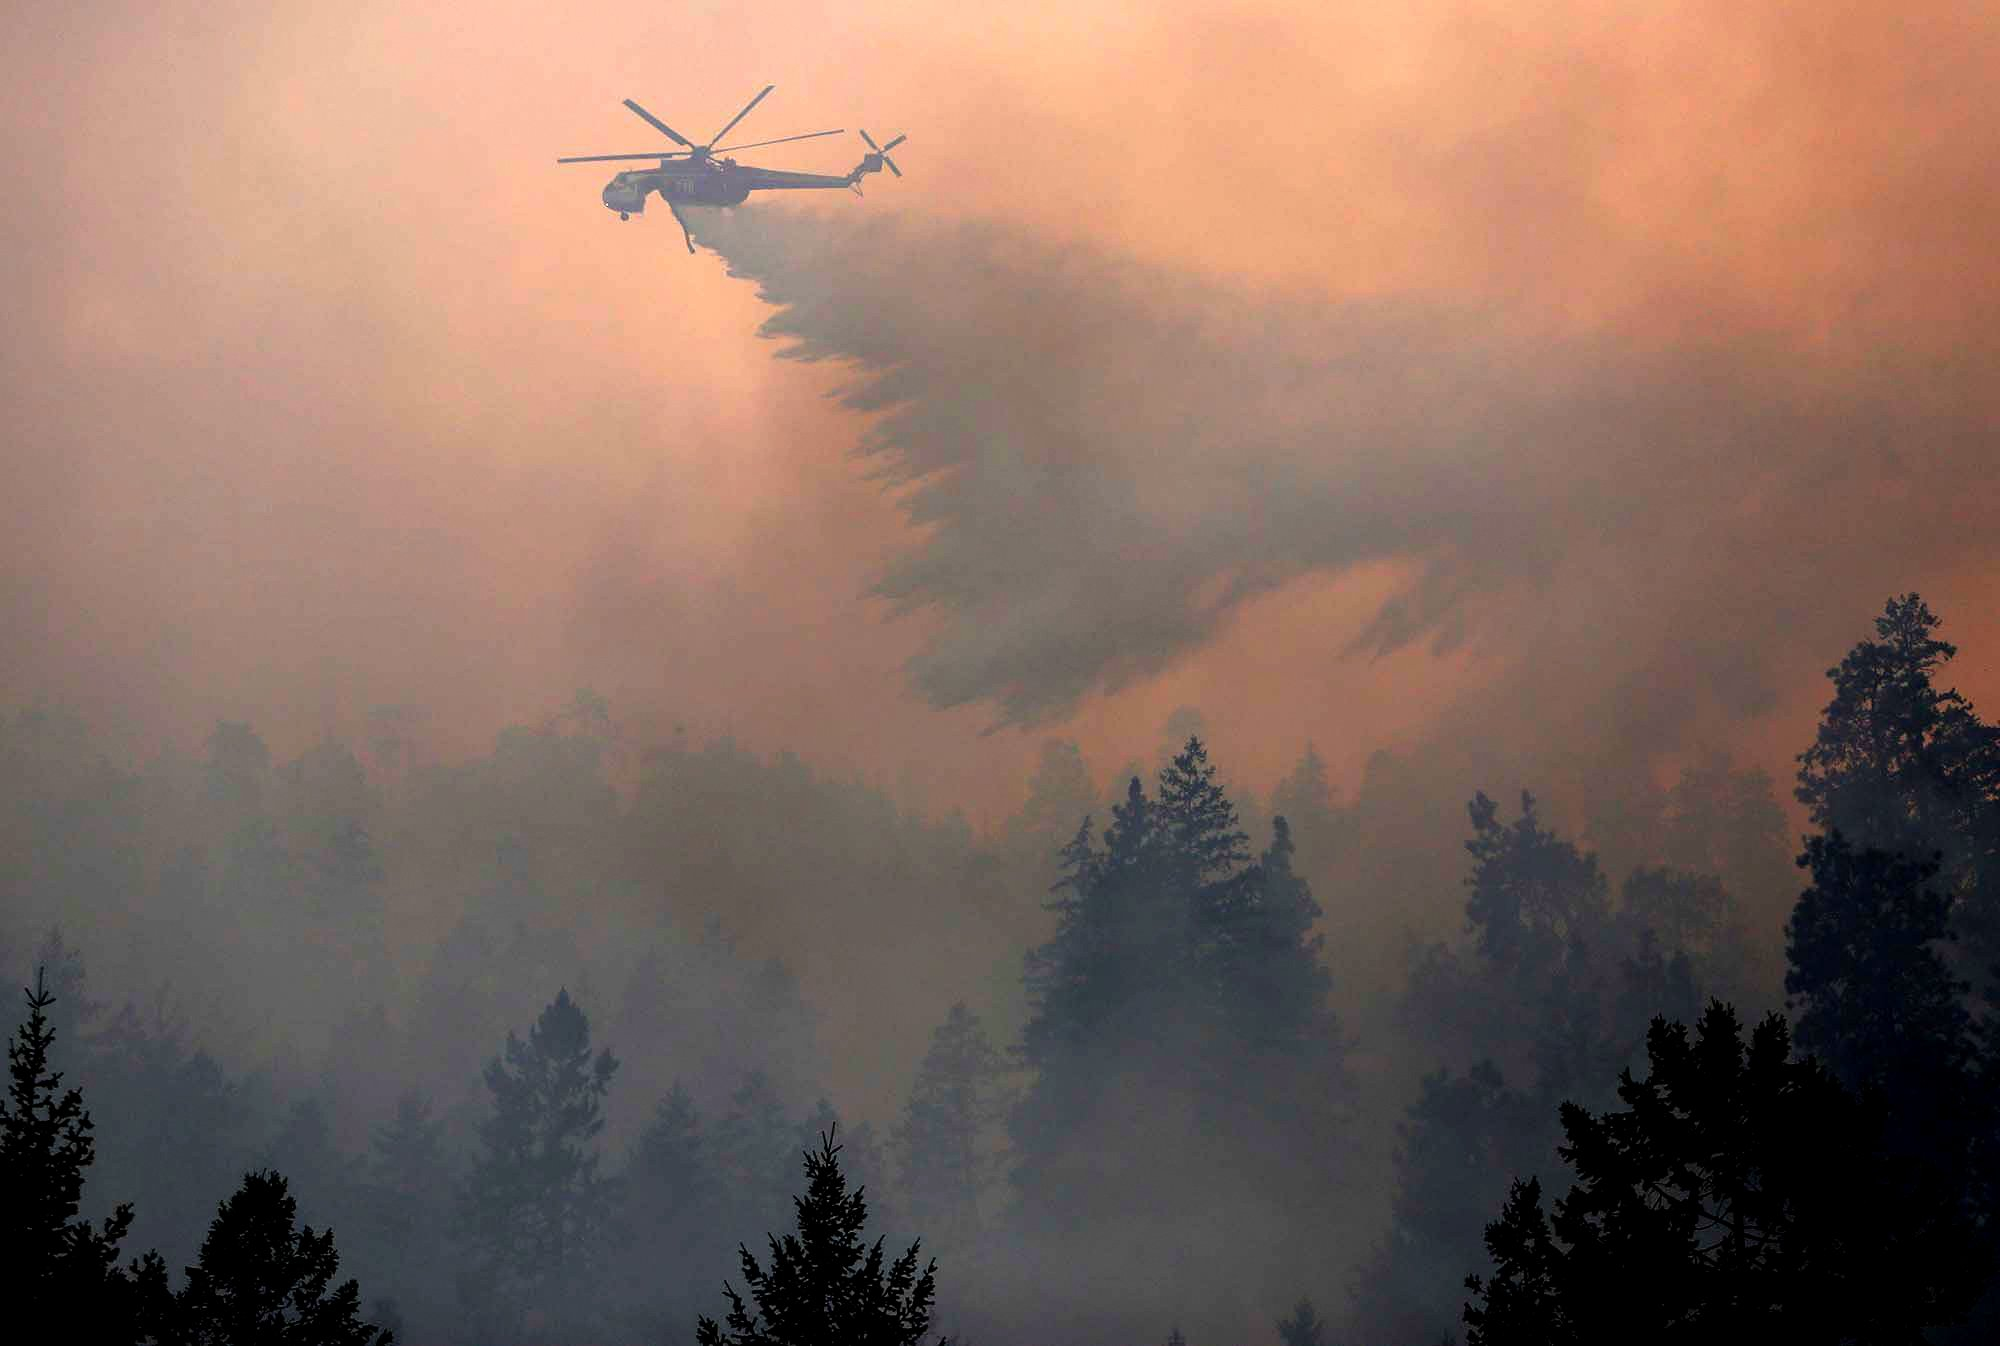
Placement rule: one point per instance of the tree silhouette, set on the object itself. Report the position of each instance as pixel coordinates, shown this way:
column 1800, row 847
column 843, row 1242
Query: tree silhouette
column 534, row 1204
column 406, row 1198
column 1532, row 896
column 1304, row 1327
column 1897, row 763
column 58, row 1267
column 1875, row 998
column 957, row 1097
column 1740, row 1195
column 1901, row 766
column 265, row 1281
column 1183, row 990
column 823, row 1284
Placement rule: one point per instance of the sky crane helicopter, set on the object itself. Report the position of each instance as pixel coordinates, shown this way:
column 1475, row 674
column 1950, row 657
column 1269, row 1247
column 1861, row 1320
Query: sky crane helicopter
column 693, row 176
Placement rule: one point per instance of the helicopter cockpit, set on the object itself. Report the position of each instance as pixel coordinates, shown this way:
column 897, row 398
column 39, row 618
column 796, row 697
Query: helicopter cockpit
column 625, row 194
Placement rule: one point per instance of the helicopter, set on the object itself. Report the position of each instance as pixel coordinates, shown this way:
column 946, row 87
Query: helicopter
column 694, row 176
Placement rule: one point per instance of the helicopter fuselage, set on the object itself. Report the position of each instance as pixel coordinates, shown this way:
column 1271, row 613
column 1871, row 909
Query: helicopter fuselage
column 627, row 192
column 713, row 183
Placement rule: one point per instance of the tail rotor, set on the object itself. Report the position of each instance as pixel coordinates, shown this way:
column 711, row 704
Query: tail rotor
column 879, row 155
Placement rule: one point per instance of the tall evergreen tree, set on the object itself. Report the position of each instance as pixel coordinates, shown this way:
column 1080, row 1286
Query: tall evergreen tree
column 1740, row 1195
column 671, row 1199
column 534, row 1204
column 1201, row 836
column 1459, row 1142
column 1899, row 764
column 1904, row 767
column 752, row 1147
column 1873, row 996
column 942, row 1159
column 1262, row 958
column 263, row 1280
column 1303, row 1328
column 1532, row 896
column 58, row 1268
column 407, row 1190
column 824, row 1284
column 1181, row 994
column 1876, row 1000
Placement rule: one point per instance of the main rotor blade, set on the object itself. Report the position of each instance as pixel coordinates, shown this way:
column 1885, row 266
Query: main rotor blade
column 603, row 158
column 892, row 144
column 659, row 125
column 741, row 115
column 755, row 144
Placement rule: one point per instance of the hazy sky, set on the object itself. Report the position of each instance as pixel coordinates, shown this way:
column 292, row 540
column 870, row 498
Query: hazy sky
column 1639, row 356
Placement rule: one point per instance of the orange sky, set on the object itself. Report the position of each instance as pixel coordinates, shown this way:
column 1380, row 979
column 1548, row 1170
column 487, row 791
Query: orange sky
column 327, row 388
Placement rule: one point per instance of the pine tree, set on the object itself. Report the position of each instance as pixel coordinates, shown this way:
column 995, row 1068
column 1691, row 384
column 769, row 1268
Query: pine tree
column 1303, row 1328
column 1533, row 897
column 408, row 1188
column 1739, row 1195
column 670, row 1177
column 671, row 1205
column 823, row 1284
column 265, row 1281
column 753, row 1144
column 58, row 1267
column 1197, row 818
column 1183, row 989
column 534, row 1204
column 1876, row 1000
column 1458, row 1142
column 1902, row 767
column 1898, row 764
column 1687, row 912
column 939, row 1143
column 1262, row 960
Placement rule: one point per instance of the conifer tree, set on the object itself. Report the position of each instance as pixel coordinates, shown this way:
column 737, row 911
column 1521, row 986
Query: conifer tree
column 1262, row 960
column 1532, row 896
column 1303, row 1328
column 752, row 1145
column 1197, row 819
column 957, row 1097
column 263, row 1280
column 408, row 1188
column 60, row 1267
column 1897, row 763
column 1903, row 767
column 1183, row 972
column 823, row 1283
column 1739, row 1195
column 670, row 1176
column 534, row 1204
column 671, row 1202
column 1874, row 998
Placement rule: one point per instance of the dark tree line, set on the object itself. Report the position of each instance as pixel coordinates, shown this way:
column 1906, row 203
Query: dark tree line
column 261, row 1279
column 1843, row 1192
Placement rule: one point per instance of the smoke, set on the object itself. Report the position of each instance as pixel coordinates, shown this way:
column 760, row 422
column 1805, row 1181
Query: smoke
column 1106, row 464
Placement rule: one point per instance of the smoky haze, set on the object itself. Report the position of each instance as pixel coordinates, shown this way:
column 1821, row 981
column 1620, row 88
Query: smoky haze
column 1104, row 463
column 1486, row 398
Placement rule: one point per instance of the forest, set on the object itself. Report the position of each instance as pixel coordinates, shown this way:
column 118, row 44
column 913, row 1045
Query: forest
column 368, row 1045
